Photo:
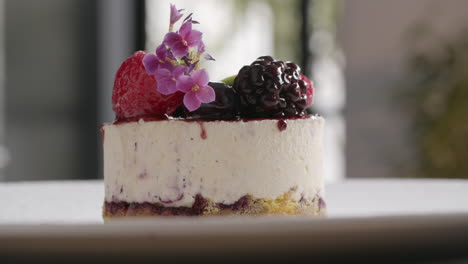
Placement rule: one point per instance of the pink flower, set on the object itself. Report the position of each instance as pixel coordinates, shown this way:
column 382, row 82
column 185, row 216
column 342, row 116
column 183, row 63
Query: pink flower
column 176, row 14
column 153, row 62
column 196, row 89
column 167, row 79
column 180, row 42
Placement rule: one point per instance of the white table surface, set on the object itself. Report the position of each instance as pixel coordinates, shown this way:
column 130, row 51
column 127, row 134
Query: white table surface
column 77, row 202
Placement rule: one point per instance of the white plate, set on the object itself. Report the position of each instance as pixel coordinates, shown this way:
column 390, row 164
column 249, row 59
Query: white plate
column 390, row 219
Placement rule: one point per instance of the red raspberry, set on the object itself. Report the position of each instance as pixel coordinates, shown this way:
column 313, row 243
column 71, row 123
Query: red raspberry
column 310, row 90
column 135, row 92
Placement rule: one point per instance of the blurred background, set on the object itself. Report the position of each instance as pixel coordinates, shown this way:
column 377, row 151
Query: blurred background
column 391, row 77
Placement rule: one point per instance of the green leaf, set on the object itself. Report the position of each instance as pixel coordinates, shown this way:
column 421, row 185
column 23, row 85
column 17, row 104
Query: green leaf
column 229, row 80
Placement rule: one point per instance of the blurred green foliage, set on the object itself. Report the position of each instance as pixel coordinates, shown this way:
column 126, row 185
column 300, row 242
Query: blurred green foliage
column 286, row 25
column 287, row 22
column 436, row 96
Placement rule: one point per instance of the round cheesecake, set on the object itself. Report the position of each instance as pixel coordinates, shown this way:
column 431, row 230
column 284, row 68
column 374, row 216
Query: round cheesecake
column 187, row 167
column 184, row 145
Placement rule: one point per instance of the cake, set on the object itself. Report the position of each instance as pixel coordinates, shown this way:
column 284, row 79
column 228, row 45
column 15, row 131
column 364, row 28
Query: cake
column 181, row 145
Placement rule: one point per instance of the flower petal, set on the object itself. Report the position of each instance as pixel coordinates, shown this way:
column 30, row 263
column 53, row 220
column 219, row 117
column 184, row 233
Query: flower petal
column 171, row 38
column 200, row 77
column 151, row 63
column 162, row 73
column 166, row 84
column 170, row 55
column 185, row 29
column 194, row 38
column 184, row 83
column 206, row 94
column 178, row 71
column 179, row 49
column 164, row 88
column 166, row 65
column 161, row 51
column 191, row 101
column 201, row 47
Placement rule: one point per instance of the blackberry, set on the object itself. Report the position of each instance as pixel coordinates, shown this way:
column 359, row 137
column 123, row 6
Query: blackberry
column 270, row 88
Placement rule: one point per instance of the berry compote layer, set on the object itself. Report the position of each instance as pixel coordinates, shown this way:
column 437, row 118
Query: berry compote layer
column 165, row 167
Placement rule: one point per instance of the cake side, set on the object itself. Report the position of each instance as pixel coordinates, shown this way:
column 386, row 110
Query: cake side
column 171, row 161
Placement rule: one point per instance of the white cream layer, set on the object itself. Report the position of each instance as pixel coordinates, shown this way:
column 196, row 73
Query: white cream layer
column 169, row 162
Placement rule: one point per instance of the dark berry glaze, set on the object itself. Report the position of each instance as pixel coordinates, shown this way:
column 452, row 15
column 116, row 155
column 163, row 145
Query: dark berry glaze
column 119, row 121
column 282, row 125
column 202, row 128
column 155, row 119
column 282, row 122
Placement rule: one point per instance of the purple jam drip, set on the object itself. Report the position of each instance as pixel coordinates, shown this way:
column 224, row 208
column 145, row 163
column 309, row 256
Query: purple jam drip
column 282, row 125
column 203, row 131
